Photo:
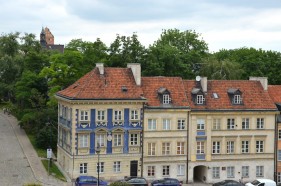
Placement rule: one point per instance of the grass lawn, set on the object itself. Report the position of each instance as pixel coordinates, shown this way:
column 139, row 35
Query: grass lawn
column 53, row 170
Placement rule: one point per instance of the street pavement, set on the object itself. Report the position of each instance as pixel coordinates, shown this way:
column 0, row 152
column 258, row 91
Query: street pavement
column 19, row 162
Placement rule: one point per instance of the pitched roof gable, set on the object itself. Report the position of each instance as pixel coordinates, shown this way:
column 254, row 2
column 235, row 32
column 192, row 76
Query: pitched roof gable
column 116, row 83
column 275, row 93
column 172, row 85
column 254, row 97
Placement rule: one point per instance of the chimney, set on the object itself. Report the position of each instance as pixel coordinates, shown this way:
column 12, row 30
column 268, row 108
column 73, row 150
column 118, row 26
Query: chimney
column 204, row 82
column 136, row 69
column 100, row 67
column 263, row 80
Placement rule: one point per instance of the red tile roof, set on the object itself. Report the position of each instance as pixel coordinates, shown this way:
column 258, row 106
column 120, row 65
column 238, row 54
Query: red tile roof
column 253, row 95
column 107, row 86
column 275, row 93
column 151, row 85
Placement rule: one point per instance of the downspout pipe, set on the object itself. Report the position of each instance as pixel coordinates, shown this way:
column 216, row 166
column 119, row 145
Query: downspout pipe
column 187, row 144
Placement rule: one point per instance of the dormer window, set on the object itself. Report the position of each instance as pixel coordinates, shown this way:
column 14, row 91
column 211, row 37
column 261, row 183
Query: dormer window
column 198, row 96
column 166, row 99
column 200, row 99
column 235, row 96
column 164, row 96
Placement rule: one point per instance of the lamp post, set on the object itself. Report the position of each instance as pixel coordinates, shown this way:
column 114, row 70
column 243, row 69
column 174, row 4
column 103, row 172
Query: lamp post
column 98, row 152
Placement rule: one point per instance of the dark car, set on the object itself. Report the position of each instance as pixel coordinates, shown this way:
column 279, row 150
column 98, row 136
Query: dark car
column 166, row 182
column 228, row 183
column 89, row 181
column 136, row 181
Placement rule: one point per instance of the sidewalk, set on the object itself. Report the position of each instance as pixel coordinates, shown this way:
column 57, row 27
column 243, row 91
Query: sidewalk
column 35, row 163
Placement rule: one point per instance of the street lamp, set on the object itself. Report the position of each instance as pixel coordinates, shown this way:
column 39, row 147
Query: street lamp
column 98, row 152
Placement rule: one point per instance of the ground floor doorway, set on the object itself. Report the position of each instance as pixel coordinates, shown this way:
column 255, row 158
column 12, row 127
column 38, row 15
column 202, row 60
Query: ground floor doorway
column 200, row 174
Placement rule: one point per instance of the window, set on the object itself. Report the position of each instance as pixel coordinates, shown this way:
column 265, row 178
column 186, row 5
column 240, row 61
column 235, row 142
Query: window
column 134, row 139
column 83, row 140
column 117, row 139
column 216, row 124
column 100, row 140
column 230, row 123
column 134, row 114
column 259, row 171
column 279, row 155
column 200, row 124
column 166, row 170
column 245, row 171
column 181, row 124
column 216, row 172
column 101, row 167
column 200, row 99
column 151, row 149
column 260, row 123
column 166, row 124
column 230, row 172
column 278, row 177
column 117, row 115
column 83, row 168
column 237, row 99
column 117, row 166
column 151, row 124
column 150, row 170
column 245, row 147
column 180, row 148
column 84, row 115
column 259, row 146
column 166, row 148
column 181, row 170
column 230, row 147
column 166, row 99
column 245, row 123
column 216, row 147
column 200, row 147
column 279, row 134
column 101, row 115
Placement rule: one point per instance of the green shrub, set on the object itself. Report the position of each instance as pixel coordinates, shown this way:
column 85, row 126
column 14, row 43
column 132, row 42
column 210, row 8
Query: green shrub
column 32, row 184
column 118, row 183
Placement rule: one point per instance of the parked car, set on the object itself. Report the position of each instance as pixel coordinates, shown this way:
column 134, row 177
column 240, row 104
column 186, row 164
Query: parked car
column 261, row 182
column 166, row 182
column 89, row 181
column 228, row 183
column 135, row 181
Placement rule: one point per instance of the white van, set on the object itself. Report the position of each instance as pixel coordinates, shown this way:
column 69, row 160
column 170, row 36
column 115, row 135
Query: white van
column 261, row 182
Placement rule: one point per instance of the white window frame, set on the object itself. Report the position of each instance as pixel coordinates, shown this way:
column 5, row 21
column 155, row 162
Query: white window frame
column 278, row 177
column 259, row 171
column 245, row 123
column 181, row 124
column 117, row 166
column 245, row 144
column 100, row 139
column 200, row 99
column 166, row 124
column 230, row 147
column 259, row 146
column 84, row 115
column 151, row 124
column 200, row 124
column 134, row 114
column 151, row 149
column 118, row 115
column 151, row 171
column 216, row 147
column 83, row 140
column 134, row 139
column 230, row 172
column 237, row 99
column 230, row 123
column 166, row 148
column 83, row 168
column 260, row 123
column 166, row 170
column 279, row 155
column 181, row 170
column 180, row 148
column 245, row 171
column 200, row 147
column 166, row 99
column 216, row 172
column 216, row 124
column 101, row 167
column 117, row 140
column 101, row 115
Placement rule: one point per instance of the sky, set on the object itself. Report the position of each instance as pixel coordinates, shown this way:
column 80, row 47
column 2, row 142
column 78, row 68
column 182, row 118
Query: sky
column 222, row 24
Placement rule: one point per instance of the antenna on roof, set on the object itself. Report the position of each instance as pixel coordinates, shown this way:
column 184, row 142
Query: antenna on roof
column 198, row 78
